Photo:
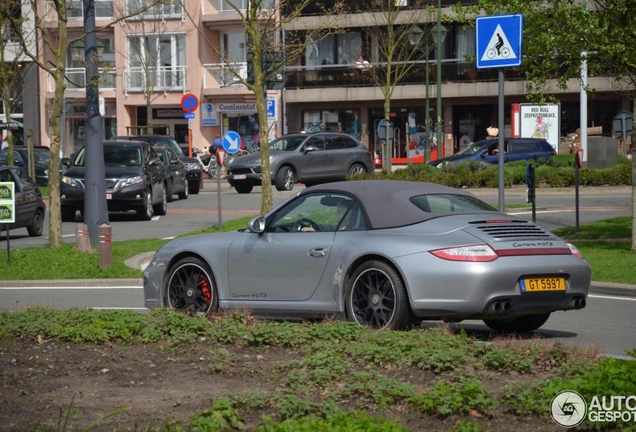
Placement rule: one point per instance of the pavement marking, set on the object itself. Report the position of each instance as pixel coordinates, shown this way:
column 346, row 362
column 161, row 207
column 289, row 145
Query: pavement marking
column 611, row 297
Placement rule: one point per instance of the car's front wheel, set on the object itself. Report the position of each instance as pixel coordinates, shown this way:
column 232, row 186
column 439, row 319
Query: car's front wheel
column 170, row 190
column 284, row 179
column 147, row 211
column 522, row 324
column 184, row 195
column 68, row 214
column 190, row 288
column 162, row 208
column 243, row 189
column 35, row 229
column 375, row 297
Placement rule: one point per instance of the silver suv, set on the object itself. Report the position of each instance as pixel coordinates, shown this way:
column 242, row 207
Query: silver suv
column 303, row 158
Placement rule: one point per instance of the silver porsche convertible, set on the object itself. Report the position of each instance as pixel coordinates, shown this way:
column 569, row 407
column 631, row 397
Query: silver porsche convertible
column 384, row 254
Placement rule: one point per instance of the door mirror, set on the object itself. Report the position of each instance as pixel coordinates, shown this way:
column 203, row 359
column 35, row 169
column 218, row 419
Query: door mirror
column 309, row 148
column 257, row 225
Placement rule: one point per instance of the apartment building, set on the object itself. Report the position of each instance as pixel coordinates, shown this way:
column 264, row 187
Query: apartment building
column 322, row 90
column 149, row 61
column 23, row 89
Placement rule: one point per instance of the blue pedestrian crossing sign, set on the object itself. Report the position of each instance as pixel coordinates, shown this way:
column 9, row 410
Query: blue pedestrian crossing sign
column 231, row 142
column 499, row 41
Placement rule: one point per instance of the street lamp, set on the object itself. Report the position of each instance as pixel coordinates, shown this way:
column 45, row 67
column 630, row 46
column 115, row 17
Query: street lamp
column 415, row 38
column 438, row 37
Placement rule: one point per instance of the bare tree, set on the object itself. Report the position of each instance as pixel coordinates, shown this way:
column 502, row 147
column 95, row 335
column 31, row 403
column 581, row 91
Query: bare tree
column 11, row 70
column 48, row 49
column 264, row 22
column 401, row 36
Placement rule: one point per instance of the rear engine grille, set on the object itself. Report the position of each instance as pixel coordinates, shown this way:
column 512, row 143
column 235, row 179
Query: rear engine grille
column 514, row 231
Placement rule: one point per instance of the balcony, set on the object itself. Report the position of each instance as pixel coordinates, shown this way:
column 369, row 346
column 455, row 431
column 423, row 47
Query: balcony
column 167, row 10
column 165, row 79
column 76, row 79
column 219, row 75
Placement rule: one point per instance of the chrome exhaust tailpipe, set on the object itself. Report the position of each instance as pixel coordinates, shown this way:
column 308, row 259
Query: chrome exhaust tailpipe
column 500, row 307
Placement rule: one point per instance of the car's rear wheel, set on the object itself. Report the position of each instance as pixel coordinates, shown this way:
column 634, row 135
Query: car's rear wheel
column 147, row 211
column 243, row 189
column 190, row 288
column 375, row 297
column 162, row 208
column 522, row 324
column 284, row 179
column 356, row 169
column 184, row 195
column 35, row 229
column 169, row 190
column 68, row 214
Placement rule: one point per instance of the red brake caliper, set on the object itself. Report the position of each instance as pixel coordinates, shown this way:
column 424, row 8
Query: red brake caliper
column 204, row 285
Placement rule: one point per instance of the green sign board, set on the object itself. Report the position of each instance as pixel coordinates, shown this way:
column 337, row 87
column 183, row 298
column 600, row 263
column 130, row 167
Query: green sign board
column 7, row 202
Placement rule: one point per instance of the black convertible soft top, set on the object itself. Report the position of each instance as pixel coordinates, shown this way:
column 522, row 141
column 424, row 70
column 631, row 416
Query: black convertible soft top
column 387, row 202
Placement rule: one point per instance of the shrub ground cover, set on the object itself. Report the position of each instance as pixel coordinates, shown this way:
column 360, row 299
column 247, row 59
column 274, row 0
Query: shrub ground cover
column 121, row 370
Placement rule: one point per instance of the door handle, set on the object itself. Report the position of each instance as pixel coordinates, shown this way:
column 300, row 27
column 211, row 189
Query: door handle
column 318, row 252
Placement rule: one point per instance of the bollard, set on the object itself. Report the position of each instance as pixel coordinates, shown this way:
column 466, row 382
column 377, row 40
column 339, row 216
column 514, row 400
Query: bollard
column 105, row 246
column 82, row 241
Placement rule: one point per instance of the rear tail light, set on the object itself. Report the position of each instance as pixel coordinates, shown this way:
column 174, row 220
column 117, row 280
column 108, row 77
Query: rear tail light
column 575, row 251
column 470, row 253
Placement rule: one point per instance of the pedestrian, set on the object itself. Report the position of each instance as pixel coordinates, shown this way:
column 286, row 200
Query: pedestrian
column 217, row 142
column 5, row 143
column 17, row 139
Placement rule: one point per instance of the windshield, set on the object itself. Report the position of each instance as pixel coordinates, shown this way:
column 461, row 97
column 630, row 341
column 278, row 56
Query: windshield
column 287, row 143
column 114, row 155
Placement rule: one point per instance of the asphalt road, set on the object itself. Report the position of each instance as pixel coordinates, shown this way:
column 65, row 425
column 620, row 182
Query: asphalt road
column 606, row 323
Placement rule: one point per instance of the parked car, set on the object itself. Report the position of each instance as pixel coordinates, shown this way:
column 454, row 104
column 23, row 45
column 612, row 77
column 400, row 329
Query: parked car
column 193, row 168
column 41, row 159
column 514, row 149
column 302, row 158
column 422, row 252
column 177, row 183
column 29, row 207
column 135, row 180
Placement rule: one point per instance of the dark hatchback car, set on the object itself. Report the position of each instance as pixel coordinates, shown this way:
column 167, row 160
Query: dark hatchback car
column 135, row 180
column 303, row 158
column 514, row 149
column 177, row 183
column 42, row 157
column 192, row 164
column 29, row 207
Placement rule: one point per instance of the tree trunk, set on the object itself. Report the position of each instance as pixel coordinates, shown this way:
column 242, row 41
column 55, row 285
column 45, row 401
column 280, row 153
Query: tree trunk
column 55, row 215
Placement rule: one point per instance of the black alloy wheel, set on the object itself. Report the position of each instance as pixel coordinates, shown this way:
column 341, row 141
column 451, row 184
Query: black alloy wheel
column 191, row 288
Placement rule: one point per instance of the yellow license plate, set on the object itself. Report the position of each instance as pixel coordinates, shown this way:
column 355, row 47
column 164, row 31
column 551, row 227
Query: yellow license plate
column 542, row 284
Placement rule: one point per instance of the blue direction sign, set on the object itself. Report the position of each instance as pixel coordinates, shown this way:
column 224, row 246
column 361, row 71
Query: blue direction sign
column 231, row 142
column 499, row 41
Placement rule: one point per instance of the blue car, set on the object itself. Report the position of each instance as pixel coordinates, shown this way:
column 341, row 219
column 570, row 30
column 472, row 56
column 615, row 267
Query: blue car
column 514, row 149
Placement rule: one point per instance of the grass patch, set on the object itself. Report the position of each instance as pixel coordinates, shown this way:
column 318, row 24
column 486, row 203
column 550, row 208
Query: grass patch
column 326, row 376
column 44, row 262
column 610, row 261
column 615, row 228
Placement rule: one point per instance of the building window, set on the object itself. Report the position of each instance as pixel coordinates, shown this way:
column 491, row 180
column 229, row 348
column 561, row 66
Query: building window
column 157, row 62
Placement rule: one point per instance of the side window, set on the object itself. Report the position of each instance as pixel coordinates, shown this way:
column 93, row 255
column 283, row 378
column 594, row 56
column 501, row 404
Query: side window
column 6, row 176
column 348, row 142
column 25, row 182
column 320, row 212
column 318, row 141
